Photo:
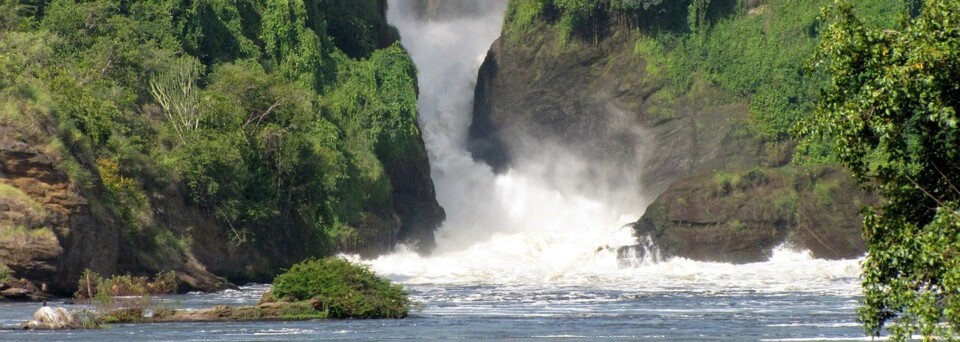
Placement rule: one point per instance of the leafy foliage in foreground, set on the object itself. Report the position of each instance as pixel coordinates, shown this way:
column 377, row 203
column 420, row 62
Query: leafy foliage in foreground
column 891, row 111
column 342, row 288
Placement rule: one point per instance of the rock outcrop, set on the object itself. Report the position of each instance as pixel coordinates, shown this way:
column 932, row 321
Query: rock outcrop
column 597, row 102
column 741, row 217
column 50, row 232
column 14, row 289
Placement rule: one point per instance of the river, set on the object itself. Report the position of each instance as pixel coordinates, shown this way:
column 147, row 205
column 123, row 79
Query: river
column 527, row 254
column 789, row 298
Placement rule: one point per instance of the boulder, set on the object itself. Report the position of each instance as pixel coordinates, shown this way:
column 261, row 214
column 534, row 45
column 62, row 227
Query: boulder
column 15, row 293
column 52, row 318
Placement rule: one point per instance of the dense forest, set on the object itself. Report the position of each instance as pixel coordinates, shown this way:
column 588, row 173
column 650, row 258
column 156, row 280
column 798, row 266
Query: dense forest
column 289, row 127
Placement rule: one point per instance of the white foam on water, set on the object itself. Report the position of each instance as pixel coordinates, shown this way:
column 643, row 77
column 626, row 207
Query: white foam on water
column 540, row 224
column 519, row 260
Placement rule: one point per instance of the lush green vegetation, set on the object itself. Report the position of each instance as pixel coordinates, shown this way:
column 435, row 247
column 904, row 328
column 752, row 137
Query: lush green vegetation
column 267, row 115
column 891, row 111
column 759, row 54
column 313, row 289
column 343, row 289
column 590, row 19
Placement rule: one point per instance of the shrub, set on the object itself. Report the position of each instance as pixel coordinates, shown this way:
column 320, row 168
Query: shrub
column 92, row 285
column 343, row 289
column 124, row 298
column 122, row 192
column 4, row 273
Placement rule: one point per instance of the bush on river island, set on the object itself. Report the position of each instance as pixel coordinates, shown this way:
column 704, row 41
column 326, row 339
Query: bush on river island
column 343, row 289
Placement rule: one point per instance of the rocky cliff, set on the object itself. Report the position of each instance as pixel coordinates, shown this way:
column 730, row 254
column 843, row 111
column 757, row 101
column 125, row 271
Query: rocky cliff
column 50, row 231
column 601, row 93
column 43, row 220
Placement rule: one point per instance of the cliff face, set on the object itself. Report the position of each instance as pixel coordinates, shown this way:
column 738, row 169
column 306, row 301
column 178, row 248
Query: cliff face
column 608, row 97
column 597, row 101
column 48, row 232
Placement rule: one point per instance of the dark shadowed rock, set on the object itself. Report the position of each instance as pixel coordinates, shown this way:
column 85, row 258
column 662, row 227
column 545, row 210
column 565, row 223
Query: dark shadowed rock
column 15, row 293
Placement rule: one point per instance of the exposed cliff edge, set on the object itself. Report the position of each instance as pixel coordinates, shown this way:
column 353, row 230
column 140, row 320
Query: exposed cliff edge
column 613, row 85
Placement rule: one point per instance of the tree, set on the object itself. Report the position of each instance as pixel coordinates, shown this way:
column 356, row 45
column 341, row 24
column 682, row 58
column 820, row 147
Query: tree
column 890, row 109
column 176, row 92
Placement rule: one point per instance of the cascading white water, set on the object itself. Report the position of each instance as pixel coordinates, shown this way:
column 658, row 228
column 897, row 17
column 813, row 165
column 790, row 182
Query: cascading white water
column 517, row 228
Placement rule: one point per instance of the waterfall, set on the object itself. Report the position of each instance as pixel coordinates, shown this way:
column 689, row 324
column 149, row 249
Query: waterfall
column 517, row 227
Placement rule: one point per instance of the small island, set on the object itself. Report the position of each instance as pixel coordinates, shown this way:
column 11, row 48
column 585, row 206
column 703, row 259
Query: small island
column 329, row 288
